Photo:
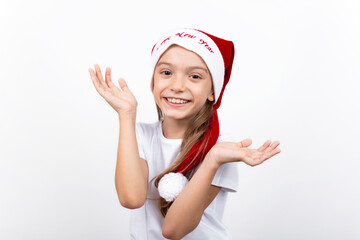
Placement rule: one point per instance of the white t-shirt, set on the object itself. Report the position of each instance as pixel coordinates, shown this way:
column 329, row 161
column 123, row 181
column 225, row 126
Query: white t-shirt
column 159, row 152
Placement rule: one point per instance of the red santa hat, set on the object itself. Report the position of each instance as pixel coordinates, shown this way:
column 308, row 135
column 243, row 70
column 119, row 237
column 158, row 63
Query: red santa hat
column 218, row 55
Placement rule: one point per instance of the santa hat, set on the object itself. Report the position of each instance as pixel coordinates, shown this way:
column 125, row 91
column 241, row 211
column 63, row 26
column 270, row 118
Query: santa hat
column 218, row 54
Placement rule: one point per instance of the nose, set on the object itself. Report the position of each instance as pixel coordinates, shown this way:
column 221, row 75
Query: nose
column 177, row 83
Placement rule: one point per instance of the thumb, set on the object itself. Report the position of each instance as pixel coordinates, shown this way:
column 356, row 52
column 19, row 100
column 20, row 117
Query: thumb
column 123, row 85
column 245, row 143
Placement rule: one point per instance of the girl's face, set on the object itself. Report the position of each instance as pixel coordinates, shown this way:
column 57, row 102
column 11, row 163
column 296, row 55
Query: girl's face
column 182, row 83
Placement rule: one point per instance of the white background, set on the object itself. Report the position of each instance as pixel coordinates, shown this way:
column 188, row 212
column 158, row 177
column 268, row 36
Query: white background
column 295, row 79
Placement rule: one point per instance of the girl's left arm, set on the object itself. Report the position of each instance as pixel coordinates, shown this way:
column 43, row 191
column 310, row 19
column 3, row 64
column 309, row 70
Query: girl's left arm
column 186, row 211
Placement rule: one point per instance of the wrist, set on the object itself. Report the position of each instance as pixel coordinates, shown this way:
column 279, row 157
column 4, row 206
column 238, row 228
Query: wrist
column 124, row 116
column 211, row 160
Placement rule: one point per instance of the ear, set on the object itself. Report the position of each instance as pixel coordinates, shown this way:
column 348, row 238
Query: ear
column 211, row 97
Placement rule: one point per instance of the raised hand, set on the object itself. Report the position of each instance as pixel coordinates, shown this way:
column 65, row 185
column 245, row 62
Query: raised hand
column 224, row 152
column 121, row 100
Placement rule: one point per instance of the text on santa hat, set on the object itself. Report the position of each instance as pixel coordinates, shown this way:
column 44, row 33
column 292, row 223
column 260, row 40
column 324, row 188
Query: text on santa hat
column 182, row 35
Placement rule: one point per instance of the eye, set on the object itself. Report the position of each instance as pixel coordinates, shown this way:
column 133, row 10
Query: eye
column 166, row 72
column 194, row 76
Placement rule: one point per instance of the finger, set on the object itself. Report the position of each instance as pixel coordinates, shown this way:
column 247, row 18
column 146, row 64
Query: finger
column 99, row 75
column 275, row 144
column 123, row 85
column 108, row 78
column 264, row 146
column 272, row 147
column 245, row 143
column 96, row 81
column 101, row 85
column 270, row 154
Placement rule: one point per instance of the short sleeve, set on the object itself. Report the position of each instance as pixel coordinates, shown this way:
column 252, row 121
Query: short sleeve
column 227, row 175
column 139, row 139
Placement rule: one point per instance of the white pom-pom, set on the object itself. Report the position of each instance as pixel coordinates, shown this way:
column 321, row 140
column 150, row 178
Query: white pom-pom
column 171, row 185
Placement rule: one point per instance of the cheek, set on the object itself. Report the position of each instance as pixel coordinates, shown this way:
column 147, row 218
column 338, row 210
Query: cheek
column 158, row 88
column 203, row 91
column 159, row 83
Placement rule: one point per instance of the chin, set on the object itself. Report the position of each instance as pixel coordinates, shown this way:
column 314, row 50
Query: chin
column 174, row 116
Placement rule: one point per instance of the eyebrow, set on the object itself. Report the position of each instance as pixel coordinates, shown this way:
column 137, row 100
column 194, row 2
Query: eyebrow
column 188, row 68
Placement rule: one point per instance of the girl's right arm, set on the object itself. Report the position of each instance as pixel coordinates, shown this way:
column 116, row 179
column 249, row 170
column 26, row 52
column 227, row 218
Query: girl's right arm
column 131, row 172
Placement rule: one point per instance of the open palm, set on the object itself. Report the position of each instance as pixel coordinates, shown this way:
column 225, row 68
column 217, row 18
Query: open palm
column 121, row 100
column 224, row 152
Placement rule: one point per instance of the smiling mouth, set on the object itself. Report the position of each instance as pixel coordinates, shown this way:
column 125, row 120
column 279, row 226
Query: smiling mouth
column 176, row 100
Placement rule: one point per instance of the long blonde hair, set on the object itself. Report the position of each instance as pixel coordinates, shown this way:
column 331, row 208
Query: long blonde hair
column 199, row 124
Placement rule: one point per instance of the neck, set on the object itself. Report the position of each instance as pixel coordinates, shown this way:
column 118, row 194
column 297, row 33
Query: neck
column 174, row 129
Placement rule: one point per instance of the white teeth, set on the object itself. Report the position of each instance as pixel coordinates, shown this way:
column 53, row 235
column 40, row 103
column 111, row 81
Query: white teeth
column 176, row 100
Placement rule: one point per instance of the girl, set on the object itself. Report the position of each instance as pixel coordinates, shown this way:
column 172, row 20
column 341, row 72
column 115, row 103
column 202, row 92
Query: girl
column 193, row 165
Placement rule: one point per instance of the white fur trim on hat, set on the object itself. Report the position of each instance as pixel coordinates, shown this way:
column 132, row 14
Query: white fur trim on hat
column 199, row 43
column 171, row 185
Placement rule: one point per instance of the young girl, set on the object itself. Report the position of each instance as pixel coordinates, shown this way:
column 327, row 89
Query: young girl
column 193, row 165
